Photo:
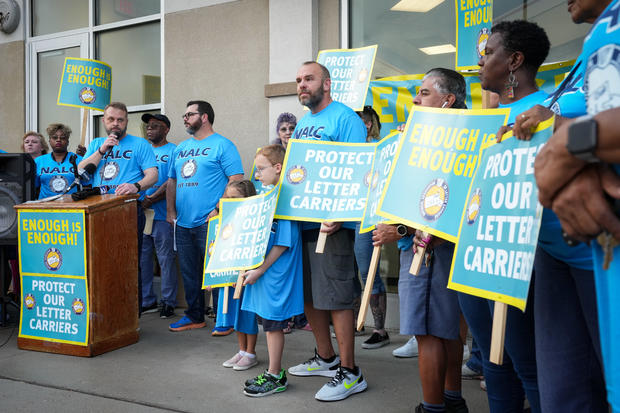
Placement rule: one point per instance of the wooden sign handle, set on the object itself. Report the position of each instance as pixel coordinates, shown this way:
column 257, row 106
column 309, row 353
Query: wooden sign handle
column 320, row 243
column 84, row 125
column 239, row 286
column 498, row 333
column 370, row 280
column 225, row 305
column 418, row 257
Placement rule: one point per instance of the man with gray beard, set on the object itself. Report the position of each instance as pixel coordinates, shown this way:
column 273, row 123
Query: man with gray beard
column 200, row 168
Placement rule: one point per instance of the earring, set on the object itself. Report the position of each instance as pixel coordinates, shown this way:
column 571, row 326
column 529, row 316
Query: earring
column 512, row 83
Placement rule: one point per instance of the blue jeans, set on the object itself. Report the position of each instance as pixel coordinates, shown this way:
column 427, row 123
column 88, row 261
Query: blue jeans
column 160, row 239
column 363, row 253
column 475, row 358
column 505, row 383
column 567, row 338
column 191, row 243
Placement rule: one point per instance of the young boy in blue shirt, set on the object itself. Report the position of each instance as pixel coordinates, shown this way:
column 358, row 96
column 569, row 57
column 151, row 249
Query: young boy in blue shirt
column 274, row 291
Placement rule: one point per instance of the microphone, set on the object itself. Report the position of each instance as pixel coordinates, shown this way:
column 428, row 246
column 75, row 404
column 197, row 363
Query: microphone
column 72, row 161
column 86, row 173
column 86, row 193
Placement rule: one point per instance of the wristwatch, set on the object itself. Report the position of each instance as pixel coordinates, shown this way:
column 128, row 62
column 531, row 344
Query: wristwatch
column 137, row 185
column 402, row 230
column 583, row 139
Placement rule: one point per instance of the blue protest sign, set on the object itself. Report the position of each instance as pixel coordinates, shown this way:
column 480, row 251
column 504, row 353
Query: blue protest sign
column 52, row 242
column 498, row 234
column 85, row 84
column 215, row 279
column 324, row 181
column 434, row 165
column 392, row 97
column 384, row 155
column 243, row 233
column 54, row 309
column 473, row 28
column 350, row 71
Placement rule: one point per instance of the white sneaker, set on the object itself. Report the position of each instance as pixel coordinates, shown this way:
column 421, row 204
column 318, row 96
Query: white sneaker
column 468, row 374
column 466, row 353
column 230, row 363
column 315, row 366
column 410, row 349
column 344, row 384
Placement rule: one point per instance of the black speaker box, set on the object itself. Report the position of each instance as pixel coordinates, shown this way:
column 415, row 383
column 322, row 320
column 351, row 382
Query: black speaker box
column 17, row 176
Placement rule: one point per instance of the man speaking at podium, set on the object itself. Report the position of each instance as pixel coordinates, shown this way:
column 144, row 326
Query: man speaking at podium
column 125, row 163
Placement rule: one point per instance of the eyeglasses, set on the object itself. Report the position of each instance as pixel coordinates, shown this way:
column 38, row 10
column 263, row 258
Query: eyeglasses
column 284, row 129
column 259, row 171
column 190, row 114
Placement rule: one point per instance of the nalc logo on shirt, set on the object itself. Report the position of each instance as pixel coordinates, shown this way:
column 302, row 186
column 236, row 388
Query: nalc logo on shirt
column 297, row 174
column 189, row 168
column 29, row 301
column 87, row 95
column 110, row 171
column 473, row 208
column 602, row 80
column 78, row 306
column 434, row 199
column 58, row 184
column 52, row 259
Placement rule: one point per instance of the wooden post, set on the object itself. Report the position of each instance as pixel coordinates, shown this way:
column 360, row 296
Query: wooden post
column 320, row 243
column 370, row 280
column 84, row 125
column 239, row 285
column 225, row 306
column 418, row 257
column 498, row 333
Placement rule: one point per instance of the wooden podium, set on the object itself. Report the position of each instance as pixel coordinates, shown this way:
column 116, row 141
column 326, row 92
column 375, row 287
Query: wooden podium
column 112, row 274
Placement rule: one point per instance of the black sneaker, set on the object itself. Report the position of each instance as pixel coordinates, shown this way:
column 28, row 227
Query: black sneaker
column 251, row 381
column 150, row 309
column 267, row 384
column 455, row 406
column 376, row 340
column 167, row 311
column 420, row 409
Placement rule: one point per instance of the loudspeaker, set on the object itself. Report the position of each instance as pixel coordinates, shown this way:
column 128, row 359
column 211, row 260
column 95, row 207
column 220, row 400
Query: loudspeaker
column 17, row 176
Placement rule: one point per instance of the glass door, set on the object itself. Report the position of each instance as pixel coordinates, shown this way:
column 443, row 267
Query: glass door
column 46, row 60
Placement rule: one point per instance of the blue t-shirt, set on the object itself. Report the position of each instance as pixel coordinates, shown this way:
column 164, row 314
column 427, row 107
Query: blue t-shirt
column 124, row 164
column 162, row 156
column 278, row 293
column 335, row 123
column 53, row 177
column 550, row 236
column 201, row 169
column 601, row 52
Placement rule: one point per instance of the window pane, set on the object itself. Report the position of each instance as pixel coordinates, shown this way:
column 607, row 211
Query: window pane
column 49, row 65
column 134, row 127
column 109, row 11
column 401, row 34
column 134, row 54
column 58, row 15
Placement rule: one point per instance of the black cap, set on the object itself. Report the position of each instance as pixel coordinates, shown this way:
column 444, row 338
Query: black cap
column 158, row 116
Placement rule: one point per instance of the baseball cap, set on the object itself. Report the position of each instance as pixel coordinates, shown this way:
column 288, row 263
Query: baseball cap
column 158, row 116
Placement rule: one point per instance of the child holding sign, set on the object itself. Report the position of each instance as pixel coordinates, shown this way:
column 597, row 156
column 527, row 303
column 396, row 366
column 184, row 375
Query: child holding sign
column 244, row 321
column 275, row 289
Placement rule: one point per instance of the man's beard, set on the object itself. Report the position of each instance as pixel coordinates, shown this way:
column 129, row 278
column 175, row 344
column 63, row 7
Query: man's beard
column 193, row 128
column 118, row 134
column 313, row 99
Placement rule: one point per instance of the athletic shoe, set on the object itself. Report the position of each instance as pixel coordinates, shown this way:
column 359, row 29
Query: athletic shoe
column 185, row 323
column 266, row 384
column 150, row 308
column 253, row 380
column 245, row 363
column 410, row 349
column 221, row 331
column 470, row 374
column 344, row 384
column 232, row 361
column 376, row 340
column 455, row 406
column 316, row 366
column 167, row 311
column 420, row 409
column 209, row 312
